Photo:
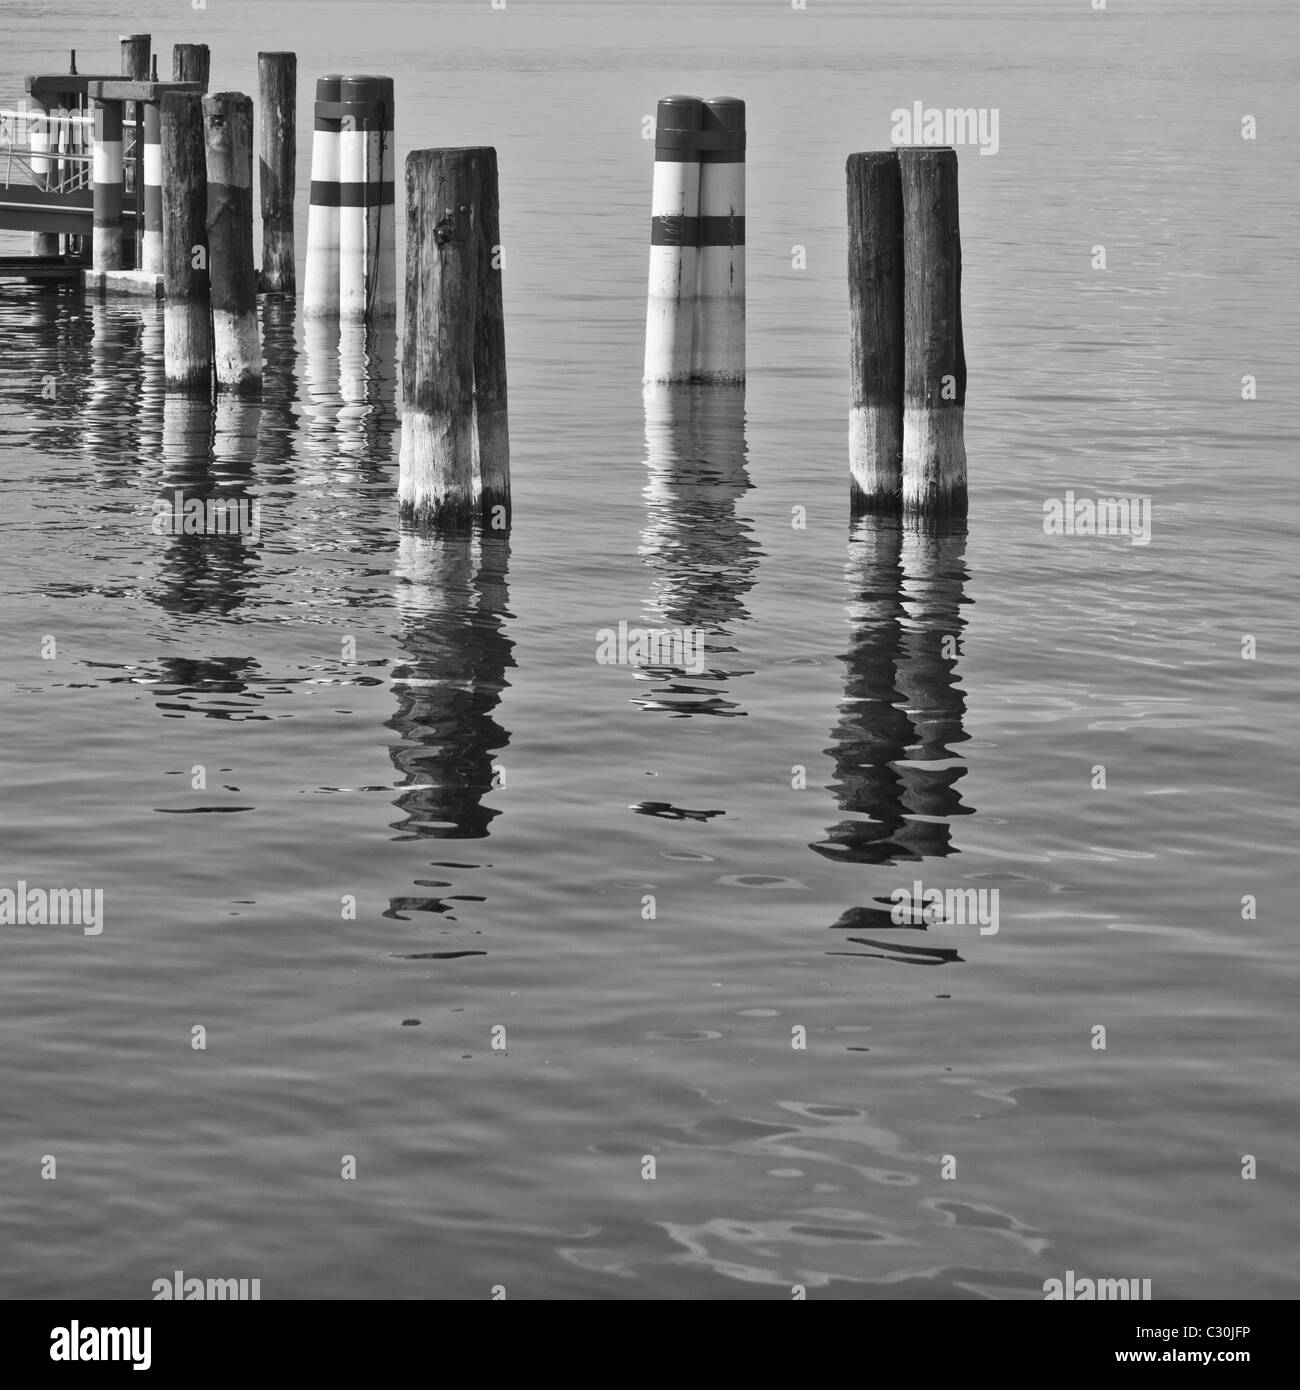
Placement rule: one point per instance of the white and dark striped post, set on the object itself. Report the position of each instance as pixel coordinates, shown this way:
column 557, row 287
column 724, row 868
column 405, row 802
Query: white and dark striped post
column 228, row 143
column 321, row 281
column 187, row 329
column 42, row 142
column 674, row 240
column 367, row 241
column 934, row 372
column 151, row 256
column 718, row 354
column 106, row 169
column 135, row 66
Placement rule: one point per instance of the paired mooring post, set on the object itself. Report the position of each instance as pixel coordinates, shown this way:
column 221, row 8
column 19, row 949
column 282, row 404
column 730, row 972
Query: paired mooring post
column 455, row 442
column 695, row 311
column 228, row 140
column 351, row 228
column 907, row 361
column 187, row 329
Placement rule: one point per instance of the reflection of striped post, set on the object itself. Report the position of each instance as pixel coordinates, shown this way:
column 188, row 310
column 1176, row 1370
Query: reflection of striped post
column 674, row 240
column 151, row 258
column 228, row 140
column 43, row 243
column 107, row 171
column 719, row 348
column 934, row 375
column 321, row 281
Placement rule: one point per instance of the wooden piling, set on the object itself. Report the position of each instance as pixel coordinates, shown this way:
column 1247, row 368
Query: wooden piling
column 934, row 385
column 875, row 196
column 135, row 65
column 443, row 195
column 191, row 62
column 228, row 141
column 491, row 420
column 278, row 143
column 135, row 56
column 187, row 331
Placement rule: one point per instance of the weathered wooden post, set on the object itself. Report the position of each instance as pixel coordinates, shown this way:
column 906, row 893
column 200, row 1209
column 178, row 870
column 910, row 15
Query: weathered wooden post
column 321, row 281
column 228, row 139
column 674, row 240
column 135, row 56
column 191, row 62
column 491, row 419
column 106, row 163
column 187, row 331
column 278, row 143
column 875, row 195
column 934, row 388
column 718, row 354
column 443, row 198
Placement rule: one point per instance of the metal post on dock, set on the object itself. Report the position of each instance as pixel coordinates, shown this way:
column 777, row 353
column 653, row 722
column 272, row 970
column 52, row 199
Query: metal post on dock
column 135, row 67
column 321, row 281
column 151, row 255
column 107, row 175
column 453, row 326
column 278, row 144
column 42, row 142
column 187, row 329
column 228, row 142
column 367, row 244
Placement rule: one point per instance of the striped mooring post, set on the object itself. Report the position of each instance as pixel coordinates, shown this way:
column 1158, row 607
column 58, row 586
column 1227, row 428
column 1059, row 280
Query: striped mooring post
column 106, row 172
column 351, row 229
column 695, row 311
column 151, row 254
column 453, row 350
column 228, row 144
column 135, row 66
column 907, row 358
column 43, row 142
column 187, row 328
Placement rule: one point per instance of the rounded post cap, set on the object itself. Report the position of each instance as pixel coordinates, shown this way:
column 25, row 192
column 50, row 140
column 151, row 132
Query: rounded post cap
column 327, row 87
column 679, row 113
column 724, row 113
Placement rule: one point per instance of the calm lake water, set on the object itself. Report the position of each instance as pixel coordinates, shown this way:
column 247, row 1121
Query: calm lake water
column 422, row 725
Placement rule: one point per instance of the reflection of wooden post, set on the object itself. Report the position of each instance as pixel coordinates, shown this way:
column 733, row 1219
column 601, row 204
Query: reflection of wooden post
column 876, row 330
column 228, row 139
column 443, row 195
column 278, row 97
column 186, row 328
column 934, row 392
